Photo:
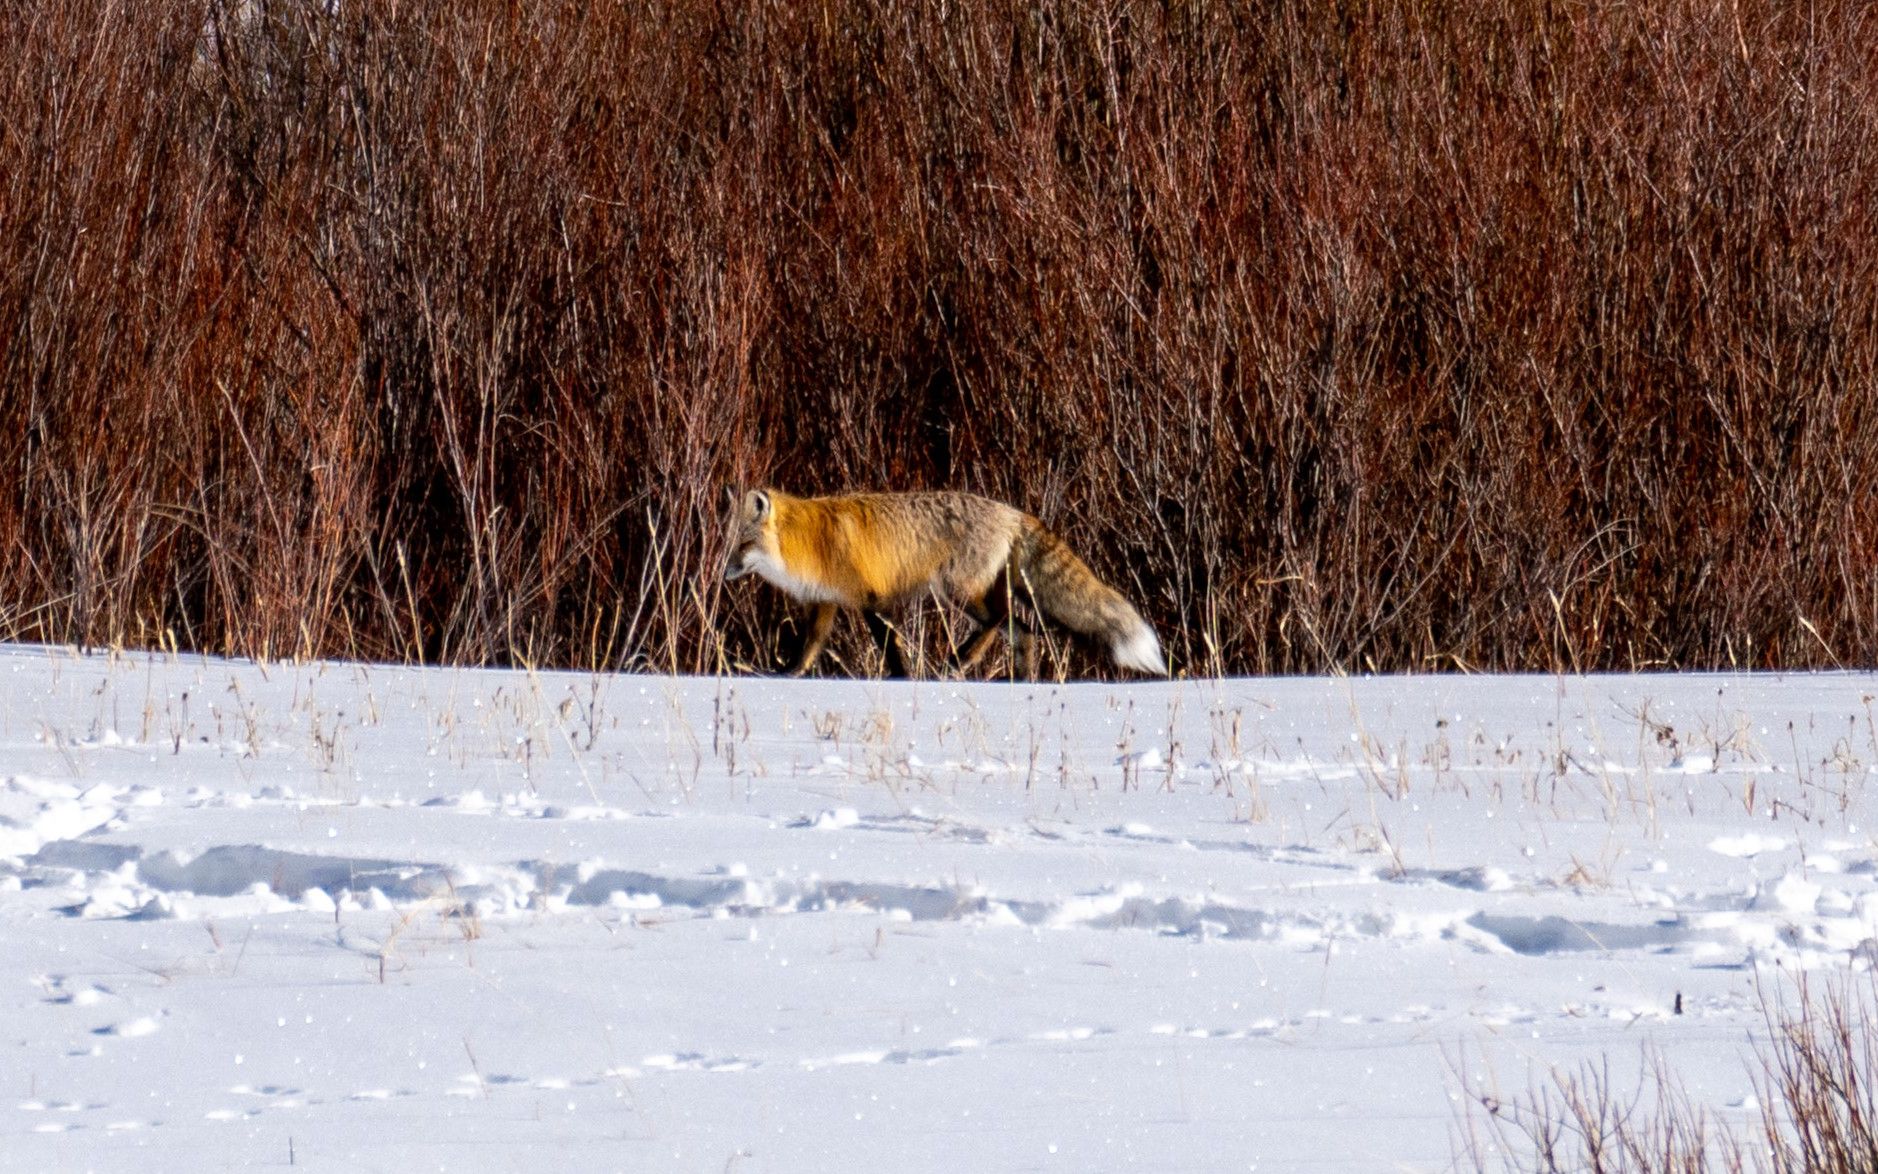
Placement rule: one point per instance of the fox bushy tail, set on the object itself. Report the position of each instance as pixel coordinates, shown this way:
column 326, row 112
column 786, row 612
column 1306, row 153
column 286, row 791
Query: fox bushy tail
column 1064, row 588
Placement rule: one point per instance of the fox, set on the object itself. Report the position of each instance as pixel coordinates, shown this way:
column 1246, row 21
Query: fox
column 874, row 551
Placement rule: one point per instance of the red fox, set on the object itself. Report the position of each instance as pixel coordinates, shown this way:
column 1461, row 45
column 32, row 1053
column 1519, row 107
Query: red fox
column 872, row 551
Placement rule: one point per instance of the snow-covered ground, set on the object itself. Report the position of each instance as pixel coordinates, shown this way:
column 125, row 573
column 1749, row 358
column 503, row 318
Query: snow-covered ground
column 357, row 917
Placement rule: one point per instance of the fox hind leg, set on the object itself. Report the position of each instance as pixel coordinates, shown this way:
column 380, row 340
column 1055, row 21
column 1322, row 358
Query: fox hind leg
column 988, row 611
column 973, row 650
column 992, row 612
column 820, row 623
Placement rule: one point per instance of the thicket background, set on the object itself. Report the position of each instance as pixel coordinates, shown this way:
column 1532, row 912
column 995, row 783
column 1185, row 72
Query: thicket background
column 1511, row 334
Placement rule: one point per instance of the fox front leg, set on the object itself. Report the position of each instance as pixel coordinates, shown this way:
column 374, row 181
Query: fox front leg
column 888, row 640
column 817, row 636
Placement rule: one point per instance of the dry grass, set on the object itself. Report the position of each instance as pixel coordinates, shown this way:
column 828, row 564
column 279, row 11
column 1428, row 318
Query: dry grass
column 1819, row 1087
column 1584, row 1123
column 1507, row 335
column 1818, row 1105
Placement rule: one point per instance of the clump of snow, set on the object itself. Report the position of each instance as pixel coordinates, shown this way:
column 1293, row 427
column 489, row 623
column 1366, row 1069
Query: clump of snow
column 1747, row 844
column 840, row 817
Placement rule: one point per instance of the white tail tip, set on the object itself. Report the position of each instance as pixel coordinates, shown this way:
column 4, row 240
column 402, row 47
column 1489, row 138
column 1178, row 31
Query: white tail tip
column 1141, row 651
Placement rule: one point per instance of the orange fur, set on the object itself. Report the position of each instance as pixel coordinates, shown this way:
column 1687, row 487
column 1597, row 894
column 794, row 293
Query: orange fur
column 846, row 545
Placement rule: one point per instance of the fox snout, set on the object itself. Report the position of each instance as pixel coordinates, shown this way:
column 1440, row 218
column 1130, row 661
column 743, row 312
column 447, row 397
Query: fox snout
column 747, row 559
column 747, row 526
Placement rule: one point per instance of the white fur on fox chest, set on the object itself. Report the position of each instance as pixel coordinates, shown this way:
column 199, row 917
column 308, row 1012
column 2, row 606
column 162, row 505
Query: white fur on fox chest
column 797, row 587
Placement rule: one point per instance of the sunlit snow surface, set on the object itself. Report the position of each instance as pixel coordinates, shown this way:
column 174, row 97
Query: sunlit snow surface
column 356, row 917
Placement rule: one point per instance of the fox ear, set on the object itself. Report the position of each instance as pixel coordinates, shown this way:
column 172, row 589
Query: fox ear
column 756, row 504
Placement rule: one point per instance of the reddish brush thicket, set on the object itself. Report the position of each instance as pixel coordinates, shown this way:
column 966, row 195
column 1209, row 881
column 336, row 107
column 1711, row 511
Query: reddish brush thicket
column 1516, row 334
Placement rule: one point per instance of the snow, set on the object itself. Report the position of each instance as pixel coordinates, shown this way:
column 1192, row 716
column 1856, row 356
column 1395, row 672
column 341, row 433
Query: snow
column 344, row 915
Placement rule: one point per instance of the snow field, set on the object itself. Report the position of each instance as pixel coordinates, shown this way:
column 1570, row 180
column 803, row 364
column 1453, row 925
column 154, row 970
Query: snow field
column 345, row 916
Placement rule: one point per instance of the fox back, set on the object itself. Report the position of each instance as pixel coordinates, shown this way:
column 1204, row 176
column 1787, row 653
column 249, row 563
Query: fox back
column 873, row 550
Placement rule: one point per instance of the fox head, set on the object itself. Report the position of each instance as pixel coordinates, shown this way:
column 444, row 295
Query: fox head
column 754, row 546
